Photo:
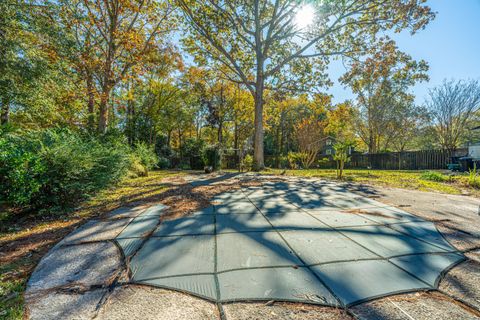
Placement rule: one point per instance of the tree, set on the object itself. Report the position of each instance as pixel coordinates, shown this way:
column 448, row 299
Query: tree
column 409, row 122
column 218, row 102
column 114, row 37
column 309, row 134
column 381, row 83
column 453, row 106
column 340, row 125
column 36, row 88
column 262, row 46
column 310, row 128
column 21, row 63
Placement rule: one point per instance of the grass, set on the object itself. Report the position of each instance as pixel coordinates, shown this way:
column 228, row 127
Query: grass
column 415, row 180
column 25, row 238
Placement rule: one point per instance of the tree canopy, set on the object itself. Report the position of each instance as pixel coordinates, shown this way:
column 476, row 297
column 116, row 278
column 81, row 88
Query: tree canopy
column 243, row 77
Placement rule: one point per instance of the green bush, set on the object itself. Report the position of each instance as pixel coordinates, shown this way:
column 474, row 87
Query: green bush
column 433, row 176
column 193, row 149
column 163, row 163
column 293, row 159
column 20, row 170
column 144, row 155
column 53, row 169
column 473, row 180
column 211, row 156
column 247, row 163
column 136, row 168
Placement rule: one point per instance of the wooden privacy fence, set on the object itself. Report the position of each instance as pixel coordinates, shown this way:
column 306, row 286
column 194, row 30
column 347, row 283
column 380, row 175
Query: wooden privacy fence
column 408, row 160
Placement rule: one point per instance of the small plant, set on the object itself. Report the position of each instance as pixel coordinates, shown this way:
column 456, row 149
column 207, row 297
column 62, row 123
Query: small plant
column 293, row 158
column 342, row 156
column 163, row 162
column 212, row 157
column 306, row 159
column 433, row 176
column 247, row 163
column 193, row 149
column 144, row 155
column 472, row 177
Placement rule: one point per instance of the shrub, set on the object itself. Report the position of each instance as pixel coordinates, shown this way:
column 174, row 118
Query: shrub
column 283, row 162
column 193, row 149
column 306, row 159
column 53, row 169
column 472, row 177
column 144, row 155
column 247, row 162
column 433, row 176
column 162, row 148
column 136, row 168
column 20, row 170
column 293, row 159
column 342, row 155
column 211, row 156
column 163, row 163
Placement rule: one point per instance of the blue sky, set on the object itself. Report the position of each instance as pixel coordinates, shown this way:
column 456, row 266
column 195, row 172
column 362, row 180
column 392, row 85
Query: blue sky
column 450, row 44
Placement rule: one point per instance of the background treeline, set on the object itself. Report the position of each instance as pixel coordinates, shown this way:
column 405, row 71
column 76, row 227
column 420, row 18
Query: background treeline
column 91, row 91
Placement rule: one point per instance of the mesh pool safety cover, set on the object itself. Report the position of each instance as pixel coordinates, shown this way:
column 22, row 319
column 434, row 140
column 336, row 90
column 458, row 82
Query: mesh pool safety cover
column 312, row 242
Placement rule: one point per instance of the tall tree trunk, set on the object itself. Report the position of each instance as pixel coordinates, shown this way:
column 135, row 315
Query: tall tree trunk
column 258, row 124
column 169, row 137
column 282, row 135
column 150, row 135
column 5, row 112
column 235, row 136
column 371, row 143
column 342, row 164
column 220, row 133
column 154, row 143
column 5, row 107
column 130, row 126
column 279, row 146
column 91, row 102
column 108, row 77
column 103, row 110
column 180, row 141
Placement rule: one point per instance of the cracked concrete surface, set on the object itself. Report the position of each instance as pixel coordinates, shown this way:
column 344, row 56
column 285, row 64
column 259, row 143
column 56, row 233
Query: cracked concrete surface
column 147, row 303
column 82, row 277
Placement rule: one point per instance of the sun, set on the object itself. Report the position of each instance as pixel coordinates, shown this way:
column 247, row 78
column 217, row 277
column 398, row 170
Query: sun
column 304, row 16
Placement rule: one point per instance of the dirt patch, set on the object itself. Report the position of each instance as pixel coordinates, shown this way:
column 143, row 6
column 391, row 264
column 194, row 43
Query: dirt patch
column 282, row 310
column 184, row 198
column 420, row 305
column 142, row 302
column 26, row 237
column 22, row 254
column 367, row 212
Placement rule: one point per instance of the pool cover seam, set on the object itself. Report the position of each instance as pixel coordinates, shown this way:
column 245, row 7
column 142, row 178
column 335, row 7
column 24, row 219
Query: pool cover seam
column 438, row 278
column 289, row 229
column 378, row 225
column 274, row 229
column 142, row 244
column 420, row 219
column 305, row 266
column 388, row 225
column 388, row 261
column 334, row 295
column 217, row 286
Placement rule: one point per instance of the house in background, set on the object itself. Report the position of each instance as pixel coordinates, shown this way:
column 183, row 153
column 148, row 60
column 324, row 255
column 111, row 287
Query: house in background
column 327, row 150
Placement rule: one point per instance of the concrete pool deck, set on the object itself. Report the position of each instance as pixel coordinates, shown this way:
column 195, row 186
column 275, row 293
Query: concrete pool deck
column 300, row 240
